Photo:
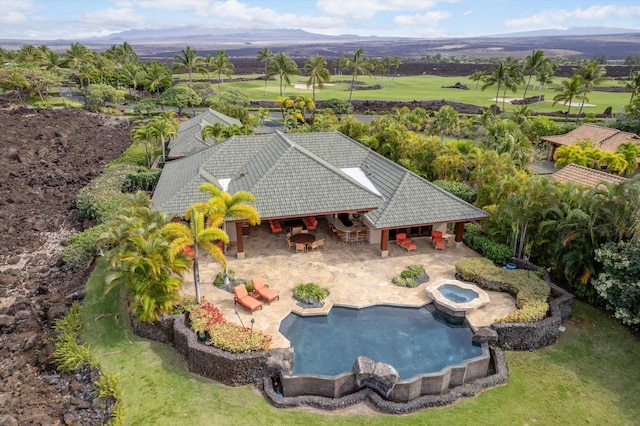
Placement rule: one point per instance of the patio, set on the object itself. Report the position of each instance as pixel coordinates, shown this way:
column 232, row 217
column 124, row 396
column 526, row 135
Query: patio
column 355, row 274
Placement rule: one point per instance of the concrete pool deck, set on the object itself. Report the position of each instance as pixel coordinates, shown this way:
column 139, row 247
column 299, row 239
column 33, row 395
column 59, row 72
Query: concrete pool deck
column 355, row 274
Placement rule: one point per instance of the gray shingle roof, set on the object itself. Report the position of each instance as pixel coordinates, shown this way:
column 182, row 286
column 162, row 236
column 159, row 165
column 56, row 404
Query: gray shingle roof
column 302, row 174
column 189, row 141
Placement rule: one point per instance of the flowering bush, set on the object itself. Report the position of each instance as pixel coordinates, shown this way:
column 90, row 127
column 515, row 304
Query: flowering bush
column 530, row 291
column 225, row 335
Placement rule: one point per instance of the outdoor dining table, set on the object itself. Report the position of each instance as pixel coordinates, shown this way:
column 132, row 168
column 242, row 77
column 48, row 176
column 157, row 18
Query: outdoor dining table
column 302, row 238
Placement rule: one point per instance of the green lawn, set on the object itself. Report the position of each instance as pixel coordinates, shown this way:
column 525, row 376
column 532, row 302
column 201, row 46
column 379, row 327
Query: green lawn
column 426, row 87
column 592, row 376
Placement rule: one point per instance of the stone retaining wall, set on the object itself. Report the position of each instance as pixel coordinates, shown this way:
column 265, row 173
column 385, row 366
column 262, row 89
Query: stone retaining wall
column 230, row 369
column 500, row 376
column 534, row 335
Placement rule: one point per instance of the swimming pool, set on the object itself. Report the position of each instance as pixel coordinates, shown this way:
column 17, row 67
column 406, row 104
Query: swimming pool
column 413, row 340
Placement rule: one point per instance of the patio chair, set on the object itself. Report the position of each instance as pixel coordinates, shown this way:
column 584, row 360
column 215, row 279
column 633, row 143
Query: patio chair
column 437, row 240
column 340, row 235
column 310, row 222
column 264, row 291
column 242, row 297
column 301, row 247
column 362, row 236
column 290, row 244
column 296, row 230
column 316, row 244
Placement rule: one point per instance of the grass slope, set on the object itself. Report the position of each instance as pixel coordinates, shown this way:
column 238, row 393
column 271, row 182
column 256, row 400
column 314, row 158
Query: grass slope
column 592, row 376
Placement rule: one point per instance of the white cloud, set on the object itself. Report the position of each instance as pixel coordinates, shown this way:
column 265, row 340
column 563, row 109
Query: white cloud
column 555, row 17
column 16, row 12
column 116, row 18
column 467, row 12
column 366, row 9
column 428, row 18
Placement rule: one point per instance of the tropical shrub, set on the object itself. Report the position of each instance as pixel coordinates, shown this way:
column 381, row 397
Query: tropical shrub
column 497, row 252
column 619, row 282
column 530, row 291
column 339, row 107
column 135, row 154
column 142, row 179
column 411, row 277
column 101, row 198
column 459, row 189
column 206, row 318
column 303, row 292
column 81, row 247
column 145, row 106
column 68, row 354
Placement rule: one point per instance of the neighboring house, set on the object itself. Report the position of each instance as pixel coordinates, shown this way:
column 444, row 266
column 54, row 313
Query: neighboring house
column 585, row 176
column 605, row 138
column 189, row 140
column 314, row 174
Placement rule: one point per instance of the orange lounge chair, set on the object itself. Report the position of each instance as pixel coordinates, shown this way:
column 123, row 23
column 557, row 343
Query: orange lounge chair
column 243, row 298
column 436, row 239
column 264, row 291
column 310, row 222
column 401, row 238
column 275, row 226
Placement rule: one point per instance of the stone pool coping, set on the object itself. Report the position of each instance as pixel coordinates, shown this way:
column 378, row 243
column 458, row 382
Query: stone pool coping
column 456, row 309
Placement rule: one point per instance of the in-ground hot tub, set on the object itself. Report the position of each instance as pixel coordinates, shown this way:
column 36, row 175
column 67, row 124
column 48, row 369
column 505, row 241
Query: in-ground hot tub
column 456, row 298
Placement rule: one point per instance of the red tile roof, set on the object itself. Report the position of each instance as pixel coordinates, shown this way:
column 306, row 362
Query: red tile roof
column 584, row 176
column 602, row 137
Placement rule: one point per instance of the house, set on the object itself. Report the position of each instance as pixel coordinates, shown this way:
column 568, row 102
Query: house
column 314, row 174
column 584, row 176
column 605, row 138
column 189, row 139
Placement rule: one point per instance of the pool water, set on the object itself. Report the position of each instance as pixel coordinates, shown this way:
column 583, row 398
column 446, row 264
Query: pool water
column 413, row 340
column 457, row 294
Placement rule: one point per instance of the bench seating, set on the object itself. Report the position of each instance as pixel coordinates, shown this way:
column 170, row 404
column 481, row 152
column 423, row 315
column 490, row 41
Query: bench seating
column 437, row 240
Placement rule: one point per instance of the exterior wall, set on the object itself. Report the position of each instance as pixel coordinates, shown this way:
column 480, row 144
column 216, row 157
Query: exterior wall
column 375, row 236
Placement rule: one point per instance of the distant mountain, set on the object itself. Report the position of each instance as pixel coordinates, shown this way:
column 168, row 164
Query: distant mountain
column 220, row 35
column 578, row 31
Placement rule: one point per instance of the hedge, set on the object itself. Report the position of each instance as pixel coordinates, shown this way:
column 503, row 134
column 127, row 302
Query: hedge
column 102, row 197
column 497, row 252
column 530, row 291
column 81, row 247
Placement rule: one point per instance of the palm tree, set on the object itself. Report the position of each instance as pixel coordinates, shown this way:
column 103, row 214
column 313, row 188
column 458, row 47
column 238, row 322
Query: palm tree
column 132, row 75
column 146, row 136
column 223, row 206
column 79, row 55
column 212, row 130
column 264, row 55
column 140, row 260
column 498, row 76
column 156, row 76
column 221, row 65
column 165, row 127
column 196, row 235
column 341, row 63
column 16, row 81
column 284, row 67
column 359, row 65
column 631, row 152
column 395, row 63
column 445, row 121
column 189, row 61
column 476, row 76
column 316, row 66
column 532, row 65
column 634, row 85
column 592, row 73
column 571, row 89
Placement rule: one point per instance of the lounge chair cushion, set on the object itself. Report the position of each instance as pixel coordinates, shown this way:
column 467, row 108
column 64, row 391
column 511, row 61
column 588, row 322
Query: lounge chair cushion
column 264, row 291
column 243, row 298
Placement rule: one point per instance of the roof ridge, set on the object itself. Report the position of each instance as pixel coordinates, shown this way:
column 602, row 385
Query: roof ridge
column 313, row 156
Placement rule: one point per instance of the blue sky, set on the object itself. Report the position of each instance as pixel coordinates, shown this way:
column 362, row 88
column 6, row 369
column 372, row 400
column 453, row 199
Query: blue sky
column 76, row 19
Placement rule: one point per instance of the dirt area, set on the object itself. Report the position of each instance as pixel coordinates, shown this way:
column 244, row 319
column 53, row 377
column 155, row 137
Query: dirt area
column 46, row 157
